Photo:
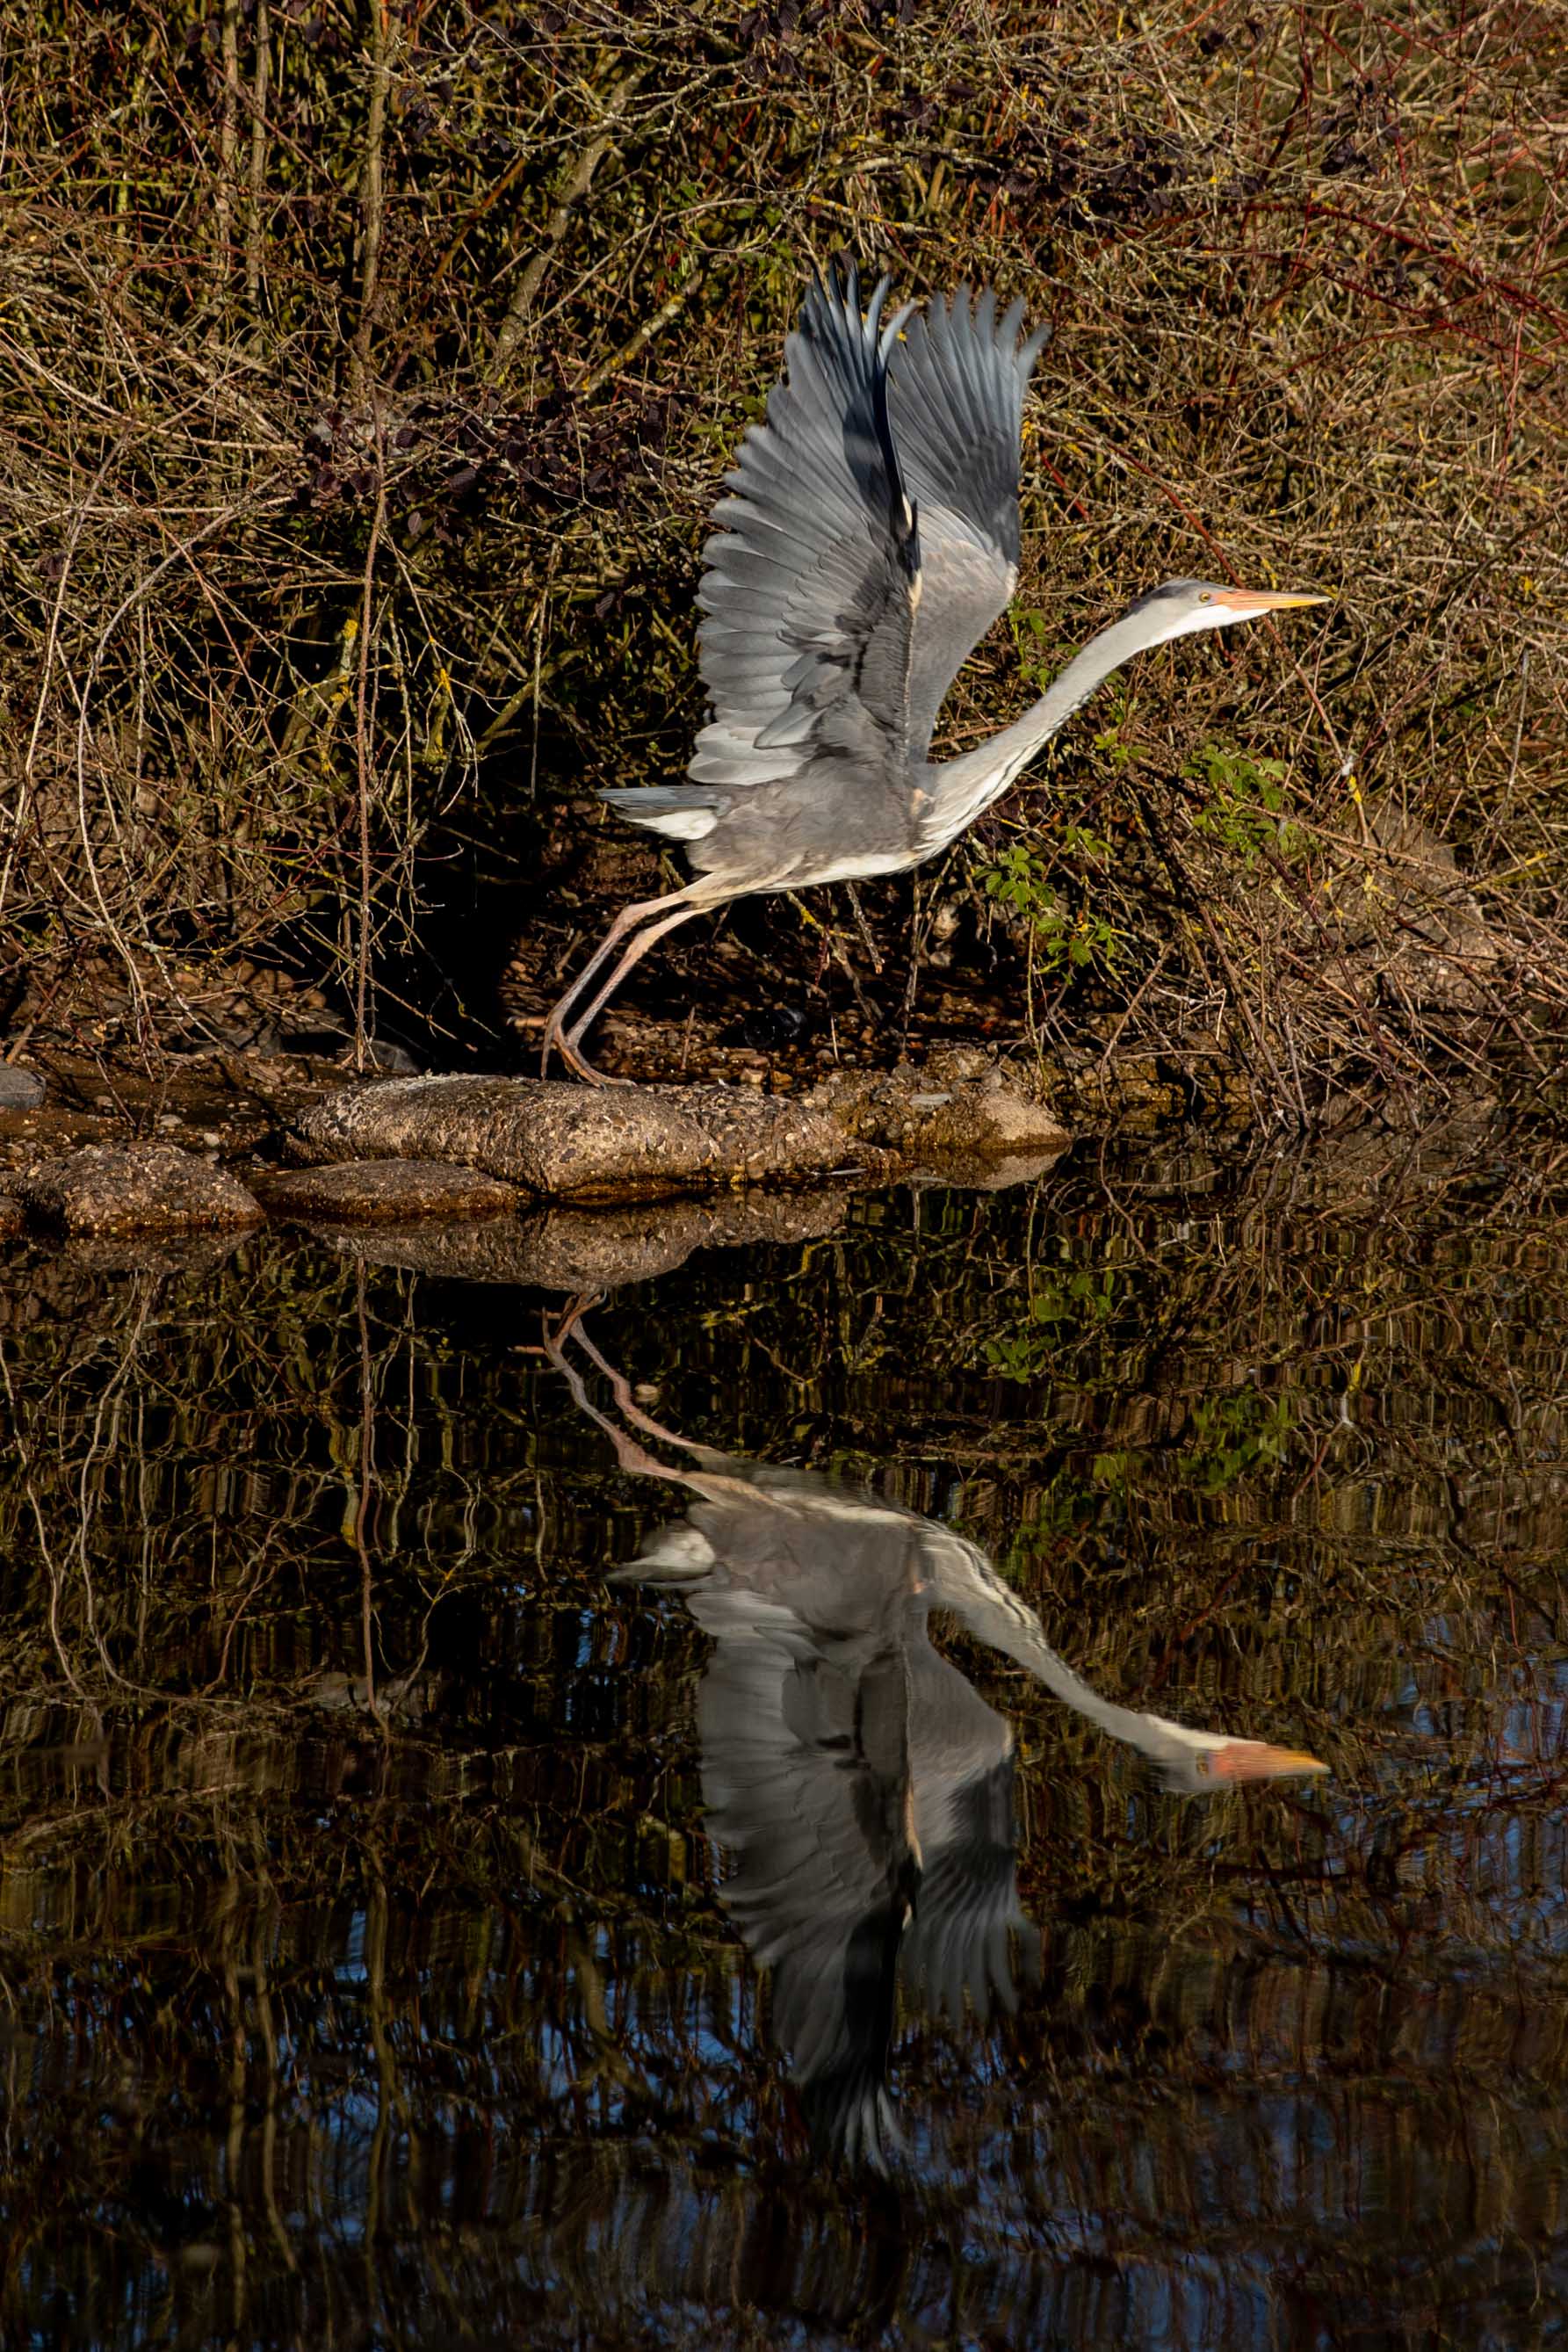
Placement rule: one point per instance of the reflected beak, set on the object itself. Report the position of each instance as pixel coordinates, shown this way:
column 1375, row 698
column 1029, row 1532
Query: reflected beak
column 1254, row 1760
column 1263, row 600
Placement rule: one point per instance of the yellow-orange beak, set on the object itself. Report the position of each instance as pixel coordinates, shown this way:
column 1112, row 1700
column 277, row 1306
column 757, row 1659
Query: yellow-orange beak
column 1254, row 1760
column 1263, row 600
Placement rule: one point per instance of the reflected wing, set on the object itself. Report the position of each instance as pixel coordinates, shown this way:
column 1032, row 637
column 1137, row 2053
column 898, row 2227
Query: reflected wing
column 805, row 1773
column 809, row 587
column 968, row 1927
column 956, row 391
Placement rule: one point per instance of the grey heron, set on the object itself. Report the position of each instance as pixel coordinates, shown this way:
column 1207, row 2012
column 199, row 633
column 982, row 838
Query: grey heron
column 869, row 539
column 863, row 1786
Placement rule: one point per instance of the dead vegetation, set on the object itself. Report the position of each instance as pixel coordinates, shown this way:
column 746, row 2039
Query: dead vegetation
column 373, row 367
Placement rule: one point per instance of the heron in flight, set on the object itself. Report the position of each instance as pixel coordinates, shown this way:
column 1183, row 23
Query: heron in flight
column 862, row 1785
column 869, row 538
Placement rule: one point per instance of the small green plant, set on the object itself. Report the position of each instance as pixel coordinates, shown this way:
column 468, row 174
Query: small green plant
column 1234, row 1435
column 1018, row 880
column 1039, row 658
column 1064, row 1306
column 1244, row 804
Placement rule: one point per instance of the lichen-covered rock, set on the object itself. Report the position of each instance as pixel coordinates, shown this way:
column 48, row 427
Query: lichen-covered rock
column 582, row 1143
column 387, row 1192
column 1410, row 929
column 1139, row 1093
column 137, row 1189
column 962, row 1105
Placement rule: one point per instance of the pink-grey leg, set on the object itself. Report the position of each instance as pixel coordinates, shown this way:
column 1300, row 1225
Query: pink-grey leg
column 626, row 920
column 564, row 1040
column 571, row 1042
column 628, row 1453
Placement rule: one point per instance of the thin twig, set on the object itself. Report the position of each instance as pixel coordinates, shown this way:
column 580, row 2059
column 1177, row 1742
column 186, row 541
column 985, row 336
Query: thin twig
column 372, row 199
column 256, row 224
column 573, row 186
column 362, row 755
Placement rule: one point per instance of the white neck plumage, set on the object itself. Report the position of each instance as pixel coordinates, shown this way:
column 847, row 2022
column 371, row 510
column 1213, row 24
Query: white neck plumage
column 961, row 788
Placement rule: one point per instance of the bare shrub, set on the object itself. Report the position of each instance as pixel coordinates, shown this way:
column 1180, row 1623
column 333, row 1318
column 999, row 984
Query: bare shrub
column 372, row 368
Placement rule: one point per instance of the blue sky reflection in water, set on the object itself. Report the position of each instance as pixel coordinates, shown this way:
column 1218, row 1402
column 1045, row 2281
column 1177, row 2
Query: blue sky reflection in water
column 408, row 1747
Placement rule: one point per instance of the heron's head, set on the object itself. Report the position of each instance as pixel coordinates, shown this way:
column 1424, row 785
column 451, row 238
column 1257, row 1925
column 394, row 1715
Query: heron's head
column 1253, row 1759
column 1197, row 1763
column 1179, row 608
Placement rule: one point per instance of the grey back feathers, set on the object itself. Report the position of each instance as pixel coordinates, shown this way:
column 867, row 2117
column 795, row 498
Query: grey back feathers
column 869, row 538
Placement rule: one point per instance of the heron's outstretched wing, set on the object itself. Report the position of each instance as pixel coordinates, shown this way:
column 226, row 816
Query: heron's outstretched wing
column 805, row 1773
column 955, row 391
column 969, row 1937
column 811, row 584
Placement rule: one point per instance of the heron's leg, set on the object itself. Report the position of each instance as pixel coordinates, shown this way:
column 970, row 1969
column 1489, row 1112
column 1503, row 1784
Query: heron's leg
column 621, row 1390
column 626, row 920
column 569, row 1041
column 628, row 1453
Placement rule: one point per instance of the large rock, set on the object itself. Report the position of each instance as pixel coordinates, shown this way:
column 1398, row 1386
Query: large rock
column 572, row 1142
column 962, row 1110
column 138, row 1189
column 387, row 1193
column 1409, row 927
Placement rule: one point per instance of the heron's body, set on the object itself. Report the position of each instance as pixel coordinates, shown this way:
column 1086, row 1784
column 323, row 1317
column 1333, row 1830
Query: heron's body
column 869, row 538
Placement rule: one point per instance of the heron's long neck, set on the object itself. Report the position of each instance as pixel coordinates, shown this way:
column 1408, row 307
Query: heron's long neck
column 966, row 785
column 1008, row 1624
column 1143, row 1732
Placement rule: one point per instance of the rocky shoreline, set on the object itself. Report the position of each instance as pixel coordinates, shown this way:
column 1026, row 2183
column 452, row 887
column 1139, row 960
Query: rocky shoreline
column 410, row 1152
column 507, row 1178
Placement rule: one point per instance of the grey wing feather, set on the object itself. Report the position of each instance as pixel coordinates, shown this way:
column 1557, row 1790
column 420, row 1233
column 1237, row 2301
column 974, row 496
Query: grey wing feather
column 971, row 1940
column 955, row 393
column 804, row 1766
column 968, row 1932
column 810, row 585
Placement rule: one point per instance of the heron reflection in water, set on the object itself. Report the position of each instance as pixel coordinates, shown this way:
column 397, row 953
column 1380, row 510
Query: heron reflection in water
column 863, row 1786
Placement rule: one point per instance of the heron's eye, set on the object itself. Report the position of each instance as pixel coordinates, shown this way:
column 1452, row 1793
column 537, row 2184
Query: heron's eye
column 1205, row 598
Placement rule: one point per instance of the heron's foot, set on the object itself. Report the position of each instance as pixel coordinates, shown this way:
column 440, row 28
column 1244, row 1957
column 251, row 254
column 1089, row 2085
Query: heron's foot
column 555, row 1041
column 565, row 1042
column 585, row 1068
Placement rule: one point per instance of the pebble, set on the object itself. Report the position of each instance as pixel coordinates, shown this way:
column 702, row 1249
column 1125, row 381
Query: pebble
column 20, row 1089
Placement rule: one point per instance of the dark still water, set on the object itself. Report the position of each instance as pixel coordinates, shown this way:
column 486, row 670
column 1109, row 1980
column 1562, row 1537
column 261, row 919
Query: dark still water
column 776, row 1808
